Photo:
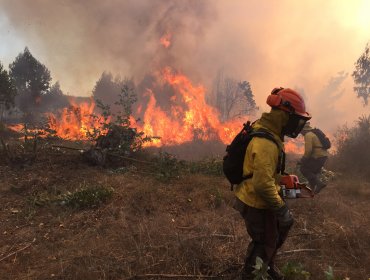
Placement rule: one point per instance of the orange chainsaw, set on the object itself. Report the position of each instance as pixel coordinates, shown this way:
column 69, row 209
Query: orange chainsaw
column 292, row 188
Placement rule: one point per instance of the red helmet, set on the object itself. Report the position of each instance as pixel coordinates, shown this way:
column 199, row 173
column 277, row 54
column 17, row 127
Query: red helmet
column 288, row 100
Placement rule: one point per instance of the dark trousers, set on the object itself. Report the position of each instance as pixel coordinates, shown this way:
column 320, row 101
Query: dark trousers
column 311, row 168
column 266, row 234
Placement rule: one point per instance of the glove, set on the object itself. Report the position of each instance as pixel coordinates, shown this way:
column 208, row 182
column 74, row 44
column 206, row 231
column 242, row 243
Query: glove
column 284, row 216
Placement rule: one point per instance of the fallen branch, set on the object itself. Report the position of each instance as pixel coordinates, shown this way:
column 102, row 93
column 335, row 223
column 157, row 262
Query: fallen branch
column 65, row 147
column 131, row 159
column 297, row 251
column 176, row 276
column 16, row 252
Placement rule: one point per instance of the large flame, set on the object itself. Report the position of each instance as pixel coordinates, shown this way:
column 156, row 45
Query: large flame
column 189, row 116
column 76, row 122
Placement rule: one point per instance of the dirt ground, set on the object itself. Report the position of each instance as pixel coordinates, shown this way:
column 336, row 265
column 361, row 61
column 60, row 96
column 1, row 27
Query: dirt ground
column 151, row 229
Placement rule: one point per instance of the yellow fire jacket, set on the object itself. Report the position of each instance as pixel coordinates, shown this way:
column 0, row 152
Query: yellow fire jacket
column 261, row 159
column 313, row 147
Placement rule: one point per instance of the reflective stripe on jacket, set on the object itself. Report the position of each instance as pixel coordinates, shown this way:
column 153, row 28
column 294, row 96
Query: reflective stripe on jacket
column 261, row 158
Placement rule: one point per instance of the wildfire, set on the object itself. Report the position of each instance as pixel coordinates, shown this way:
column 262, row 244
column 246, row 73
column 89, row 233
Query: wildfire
column 75, row 122
column 189, row 116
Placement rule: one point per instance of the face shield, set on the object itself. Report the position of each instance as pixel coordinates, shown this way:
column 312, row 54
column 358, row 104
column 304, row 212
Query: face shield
column 294, row 126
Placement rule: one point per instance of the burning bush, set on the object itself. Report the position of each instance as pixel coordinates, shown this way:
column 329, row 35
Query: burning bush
column 353, row 153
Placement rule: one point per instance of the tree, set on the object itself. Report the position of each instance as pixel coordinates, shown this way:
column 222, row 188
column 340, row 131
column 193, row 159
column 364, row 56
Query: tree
column 32, row 80
column 108, row 89
column 361, row 76
column 232, row 98
column 7, row 91
column 54, row 99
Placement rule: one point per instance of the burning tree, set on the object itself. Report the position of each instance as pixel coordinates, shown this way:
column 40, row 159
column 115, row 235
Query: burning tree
column 361, row 75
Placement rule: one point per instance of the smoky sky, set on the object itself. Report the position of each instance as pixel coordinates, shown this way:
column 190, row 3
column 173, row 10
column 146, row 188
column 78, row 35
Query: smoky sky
column 81, row 37
column 268, row 43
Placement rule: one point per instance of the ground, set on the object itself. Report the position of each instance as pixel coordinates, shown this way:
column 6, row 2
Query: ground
column 151, row 228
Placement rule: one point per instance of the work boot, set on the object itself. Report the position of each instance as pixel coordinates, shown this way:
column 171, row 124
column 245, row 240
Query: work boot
column 319, row 187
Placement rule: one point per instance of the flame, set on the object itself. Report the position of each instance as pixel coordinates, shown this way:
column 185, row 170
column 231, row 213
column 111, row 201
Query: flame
column 165, row 40
column 189, row 116
column 76, row 122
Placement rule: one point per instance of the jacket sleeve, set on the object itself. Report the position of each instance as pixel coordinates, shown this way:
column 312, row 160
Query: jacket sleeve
column 265, row 159
column 308, row 145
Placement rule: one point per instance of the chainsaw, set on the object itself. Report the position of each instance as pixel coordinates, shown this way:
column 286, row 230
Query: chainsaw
column 292, row 188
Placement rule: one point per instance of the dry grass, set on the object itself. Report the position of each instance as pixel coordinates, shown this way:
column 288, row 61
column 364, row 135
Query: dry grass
column 185, row 226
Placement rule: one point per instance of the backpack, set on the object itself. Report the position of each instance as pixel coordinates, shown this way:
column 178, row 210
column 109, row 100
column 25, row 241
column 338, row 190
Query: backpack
column 325, row 141
column 233, row 161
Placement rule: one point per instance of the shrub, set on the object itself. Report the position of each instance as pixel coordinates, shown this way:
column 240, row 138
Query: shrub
column 115, row 132
column 207, row 166
column 295, row 271
column 353, row 153
column 87, row 197
column 167, row 166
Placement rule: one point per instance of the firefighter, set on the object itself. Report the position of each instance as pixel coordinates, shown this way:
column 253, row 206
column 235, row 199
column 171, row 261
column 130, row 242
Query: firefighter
column 267, row 217
column 313, row 159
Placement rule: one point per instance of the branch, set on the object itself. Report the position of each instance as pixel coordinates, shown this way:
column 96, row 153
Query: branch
column 176, row 276
column 297, row 251
column 16, row 252
column 65, row 147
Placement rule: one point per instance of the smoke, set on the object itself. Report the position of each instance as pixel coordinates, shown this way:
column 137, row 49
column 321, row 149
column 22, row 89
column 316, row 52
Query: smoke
column 84, row 38
column 268, row 43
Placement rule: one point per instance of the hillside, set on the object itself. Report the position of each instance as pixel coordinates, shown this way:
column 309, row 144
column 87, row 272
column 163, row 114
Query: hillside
column 153, row 227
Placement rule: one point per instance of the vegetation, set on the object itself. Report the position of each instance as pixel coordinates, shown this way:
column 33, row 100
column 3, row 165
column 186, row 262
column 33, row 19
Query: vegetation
column 353, row 153
column 31, row 78
column 86, row 197
column 361, row 75
column 231, row 97
column 7, row 91
column 115, row 131
column 295, row 271
column 107, row 89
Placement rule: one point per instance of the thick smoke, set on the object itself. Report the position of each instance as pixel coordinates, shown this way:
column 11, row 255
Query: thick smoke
column 269, row 43
column 84, row 38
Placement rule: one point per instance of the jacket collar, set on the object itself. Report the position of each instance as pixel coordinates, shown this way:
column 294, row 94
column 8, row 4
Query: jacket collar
column 274, row 122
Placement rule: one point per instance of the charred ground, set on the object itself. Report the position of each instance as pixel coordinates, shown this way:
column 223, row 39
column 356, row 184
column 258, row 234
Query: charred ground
column 171, row 219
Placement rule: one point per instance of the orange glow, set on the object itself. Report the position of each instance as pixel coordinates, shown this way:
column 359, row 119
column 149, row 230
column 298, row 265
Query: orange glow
column 166, row 40
column 294, row 146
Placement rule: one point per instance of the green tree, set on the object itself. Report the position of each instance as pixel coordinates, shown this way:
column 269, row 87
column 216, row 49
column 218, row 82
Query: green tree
column 7, row 91
column 32, row 80
column 361, row 76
